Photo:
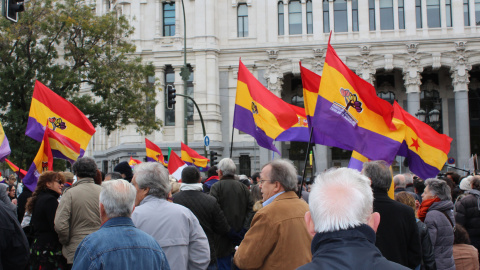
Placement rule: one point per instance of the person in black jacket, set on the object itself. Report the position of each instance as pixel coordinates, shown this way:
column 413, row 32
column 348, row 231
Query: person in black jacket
column 13, row 243
column 203, row 206
column 46, row 251
column 397, row 235
column 467, row 212
column 342, row 223
column 22, row 202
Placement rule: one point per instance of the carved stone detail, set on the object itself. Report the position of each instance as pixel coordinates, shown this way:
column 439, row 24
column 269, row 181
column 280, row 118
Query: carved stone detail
column 365, row 69
column 436, row 60
column 460, row 68
column 412, row 69
column 318, row 60
column 273, row 74
column 388, row 62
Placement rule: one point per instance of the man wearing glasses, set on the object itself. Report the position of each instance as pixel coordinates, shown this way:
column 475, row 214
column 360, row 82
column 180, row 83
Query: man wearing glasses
column 278, row 230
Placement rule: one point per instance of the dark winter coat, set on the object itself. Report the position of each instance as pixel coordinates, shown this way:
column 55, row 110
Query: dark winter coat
column 468, row 215
column 348, row 249
column 14, row 249
column 428, row 256
column 397, row 234
column 43, row 216
column 22, row 202
column 441, row 233
column 236, row 202
column 208, row 213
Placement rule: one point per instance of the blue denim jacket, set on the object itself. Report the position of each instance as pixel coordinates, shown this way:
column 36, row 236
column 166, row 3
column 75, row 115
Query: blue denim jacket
column 119, row 245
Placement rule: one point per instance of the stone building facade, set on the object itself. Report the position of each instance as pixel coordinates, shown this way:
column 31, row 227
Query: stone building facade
column 424, row 53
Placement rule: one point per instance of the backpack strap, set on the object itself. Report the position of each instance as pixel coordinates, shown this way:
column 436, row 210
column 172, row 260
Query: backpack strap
column 451, row 223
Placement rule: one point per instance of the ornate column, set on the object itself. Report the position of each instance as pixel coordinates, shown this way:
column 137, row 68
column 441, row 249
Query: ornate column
column 179, row 105
column 272, row 74
column 365, row 70
column 160, row 97
column 318, row 60
column 412, row 78
column 460, row 82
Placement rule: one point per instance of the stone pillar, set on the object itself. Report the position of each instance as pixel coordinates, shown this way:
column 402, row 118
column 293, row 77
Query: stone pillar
column 366, row 71
column 158, row 18
column 462, row 120
column 179, row 105
column 323, row 158
column 412, row 78
column 363, row 19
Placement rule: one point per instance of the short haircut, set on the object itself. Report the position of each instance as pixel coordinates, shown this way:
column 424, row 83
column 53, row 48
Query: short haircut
column 475, row 182
column 254, row 177
column 153, row 175
column 340, row 199
column 419, row 185
column 227, row 166
column 379, row 173
column 85, row 167
column 212, row 171
column 439, row 188
column 190, row 175
column 118, row 198
column 406, row 198
column 283, row 172
column 399, row 181
column 114, row 175
column 408, row 179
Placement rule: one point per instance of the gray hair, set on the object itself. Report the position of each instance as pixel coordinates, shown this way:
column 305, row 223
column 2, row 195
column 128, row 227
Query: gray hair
column 85, row 167
column 340, row 199
column 408, row 179
column 439, row 188
column 399, row 181
column 379, row 173
column 113, row 175
column 153, row 175
column 283, row 172
column 227, row 166
column 118, row 198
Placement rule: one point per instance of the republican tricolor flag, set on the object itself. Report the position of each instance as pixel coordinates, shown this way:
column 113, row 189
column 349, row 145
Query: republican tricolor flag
column 53, row 145
column 154, row 153
column 21, row 173
column 259, row 112
column 133, row 162
column 191, row 157
column 60, row 115
column 4, row 145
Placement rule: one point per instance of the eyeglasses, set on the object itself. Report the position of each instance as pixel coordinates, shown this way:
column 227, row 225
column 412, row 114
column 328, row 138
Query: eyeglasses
column 59, row 181
column 264, row 180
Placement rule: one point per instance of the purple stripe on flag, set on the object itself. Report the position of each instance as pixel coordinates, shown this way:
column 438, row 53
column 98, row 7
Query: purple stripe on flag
column 149, row 159
column 4, row 149
column 350, row 136
column 60, row 155
column 35, row 130
column 244, row 122
column 30, row 180
column 295, row 134
column 417, row 165
column 355, row 164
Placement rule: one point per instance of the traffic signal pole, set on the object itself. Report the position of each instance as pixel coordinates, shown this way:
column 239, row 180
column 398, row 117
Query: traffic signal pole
column 201, row 118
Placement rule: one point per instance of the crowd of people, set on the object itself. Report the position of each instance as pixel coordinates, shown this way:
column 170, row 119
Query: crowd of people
column 143, row 218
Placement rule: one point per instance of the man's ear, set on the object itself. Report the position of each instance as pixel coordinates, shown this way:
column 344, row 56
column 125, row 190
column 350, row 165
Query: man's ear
column 374, row 221
column 309, row 223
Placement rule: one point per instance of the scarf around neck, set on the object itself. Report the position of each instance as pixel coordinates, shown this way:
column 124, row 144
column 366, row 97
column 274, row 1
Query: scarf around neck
column 196, row 186
column 422, row 211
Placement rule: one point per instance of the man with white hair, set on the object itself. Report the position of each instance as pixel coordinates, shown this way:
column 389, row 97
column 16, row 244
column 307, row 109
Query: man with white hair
column 278, row 238
column 342, row 223
column 237, row 204
column 118, row 244
column 174, row 226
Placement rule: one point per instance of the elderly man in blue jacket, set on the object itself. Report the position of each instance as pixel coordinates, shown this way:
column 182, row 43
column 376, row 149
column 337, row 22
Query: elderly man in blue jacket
column 343, row 225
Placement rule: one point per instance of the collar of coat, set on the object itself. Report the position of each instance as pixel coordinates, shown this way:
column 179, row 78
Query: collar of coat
column 82, row 181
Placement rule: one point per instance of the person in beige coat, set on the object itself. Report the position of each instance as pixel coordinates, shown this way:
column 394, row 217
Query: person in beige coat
column 78, row 213
column 278, row 237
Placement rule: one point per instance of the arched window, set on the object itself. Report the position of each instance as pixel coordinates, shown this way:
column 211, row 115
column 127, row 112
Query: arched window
column 295, row 17
column 281, row 19
column 242, row 20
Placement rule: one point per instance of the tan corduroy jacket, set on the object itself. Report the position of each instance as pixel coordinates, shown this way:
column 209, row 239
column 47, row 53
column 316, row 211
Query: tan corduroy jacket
column 278, row 236
column 78, row 215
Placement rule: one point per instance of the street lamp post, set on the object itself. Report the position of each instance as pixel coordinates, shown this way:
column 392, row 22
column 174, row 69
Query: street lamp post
column 433, row 118
column 185, row 73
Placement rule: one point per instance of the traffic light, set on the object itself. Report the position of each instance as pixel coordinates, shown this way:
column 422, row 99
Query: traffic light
column 11, row 8
column 171, row 96
column 213, row 158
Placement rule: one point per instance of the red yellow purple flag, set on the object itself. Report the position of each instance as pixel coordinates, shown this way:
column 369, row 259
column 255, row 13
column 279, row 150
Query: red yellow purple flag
column 133, row 162
column 259, row 112
column 425, row 149
column 53, row 145
column 349, row 112
column 175, row 164
column 191, row 157
column 4, row 145
column 154, row 153
column 21, row 173
column 300, row 131
column 63, row 116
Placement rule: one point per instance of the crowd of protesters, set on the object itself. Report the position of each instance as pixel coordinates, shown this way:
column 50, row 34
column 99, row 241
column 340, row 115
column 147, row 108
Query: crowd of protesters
column 143, row 218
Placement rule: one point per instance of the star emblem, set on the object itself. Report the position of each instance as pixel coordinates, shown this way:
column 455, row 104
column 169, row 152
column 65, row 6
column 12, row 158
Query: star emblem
column 415, row 144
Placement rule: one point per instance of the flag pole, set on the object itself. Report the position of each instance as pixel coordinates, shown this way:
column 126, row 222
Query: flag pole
column 306, row 159
column 233, row 130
